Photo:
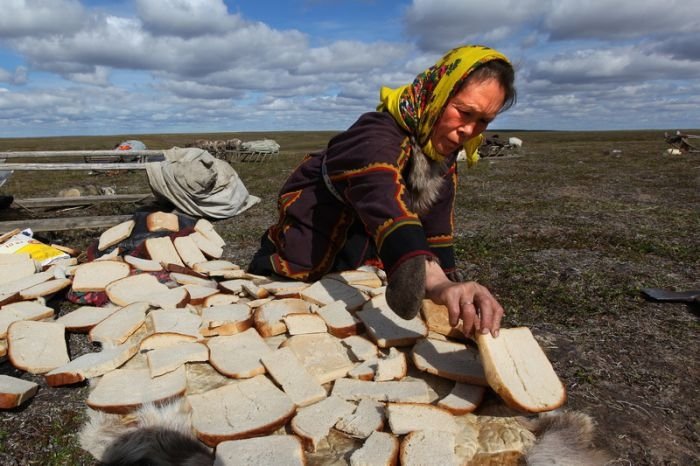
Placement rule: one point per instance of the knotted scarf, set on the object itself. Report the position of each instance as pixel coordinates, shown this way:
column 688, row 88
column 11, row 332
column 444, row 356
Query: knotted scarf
column 418, row 106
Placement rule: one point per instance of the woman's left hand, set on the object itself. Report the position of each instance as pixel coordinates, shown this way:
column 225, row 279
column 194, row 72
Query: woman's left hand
column 472, row 303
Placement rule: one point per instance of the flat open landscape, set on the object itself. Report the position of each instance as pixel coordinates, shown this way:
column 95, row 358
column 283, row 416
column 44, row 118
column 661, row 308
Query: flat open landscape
column 565, row 236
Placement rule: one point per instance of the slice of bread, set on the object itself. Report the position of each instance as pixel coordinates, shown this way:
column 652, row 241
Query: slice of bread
column 187, row 279
column 386, row 328
column 14, row 391
column 277, row 450
column 357, row 277
column 519, row 371
column 189, row 251
column 361, row 349
column 241, row 410
column 364, row 370
column 238, row 356
column 295, row 380
column 115, row 329
column 164, row 340
column 404, row 391
column 269, row 317
column 214, row 265
column 313, row 423
column 170, row 298
column 23, row 266
column 323, row 355
column 95, row 276
column 327, row 290
column 304, row 323
column 464, row 398
column 220, row 299
column 163, row 250
column 367, row 418
column 115, row 234
column 22, row 310
column 177, row 321
column 227, row 319
column 450, row 360
column 46, row 288
column 139, row 287
column 91, row 365
column 162, row 221
column 437, row 319
column 429, row 447
column 409, row 417
column 285, row 289
column 19, row 284
column 207, row 246
column 205, row 227
column 36, row 347
column 380, row 449
column 197, row 294
column 164, row 360
column 391, row 367
column 144, row 265
column 125, row 390
column 340, row 322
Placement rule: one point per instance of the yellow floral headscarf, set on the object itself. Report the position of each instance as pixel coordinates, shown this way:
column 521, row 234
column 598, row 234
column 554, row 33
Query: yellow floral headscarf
column 418, row 106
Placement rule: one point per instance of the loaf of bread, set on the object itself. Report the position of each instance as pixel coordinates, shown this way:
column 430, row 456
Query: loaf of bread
column 519, row 371
column 162, row 221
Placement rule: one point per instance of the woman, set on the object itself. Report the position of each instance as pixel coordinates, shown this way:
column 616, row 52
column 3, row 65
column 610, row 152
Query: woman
column 383, row 191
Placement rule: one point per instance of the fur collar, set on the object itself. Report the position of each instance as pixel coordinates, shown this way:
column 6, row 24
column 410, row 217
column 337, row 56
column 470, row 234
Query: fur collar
column 424, row 180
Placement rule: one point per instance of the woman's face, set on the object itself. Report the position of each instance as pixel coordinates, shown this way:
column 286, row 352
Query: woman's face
column 467, row 114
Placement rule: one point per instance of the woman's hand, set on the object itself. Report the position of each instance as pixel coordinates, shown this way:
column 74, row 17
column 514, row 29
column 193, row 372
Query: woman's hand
column 472, row 303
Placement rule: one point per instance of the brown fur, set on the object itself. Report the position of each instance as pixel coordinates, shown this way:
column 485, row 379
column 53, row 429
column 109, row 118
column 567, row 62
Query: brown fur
column 563, row 439
column 154, row 435
column 424, row 181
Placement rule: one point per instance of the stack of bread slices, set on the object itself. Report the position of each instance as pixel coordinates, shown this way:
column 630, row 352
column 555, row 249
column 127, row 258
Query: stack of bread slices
column 309, row 372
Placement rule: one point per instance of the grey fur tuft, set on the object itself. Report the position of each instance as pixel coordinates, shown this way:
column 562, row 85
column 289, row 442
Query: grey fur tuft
column 564, row 439
column 424, row 180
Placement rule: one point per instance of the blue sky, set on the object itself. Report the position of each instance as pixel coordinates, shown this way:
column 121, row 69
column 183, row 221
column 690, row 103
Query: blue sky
column 78, row 67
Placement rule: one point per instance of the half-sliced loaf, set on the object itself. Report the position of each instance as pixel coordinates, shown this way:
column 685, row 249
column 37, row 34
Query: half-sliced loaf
column 519, row 371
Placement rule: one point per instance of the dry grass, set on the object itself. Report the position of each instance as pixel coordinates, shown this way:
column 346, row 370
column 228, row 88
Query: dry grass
column 565, row 236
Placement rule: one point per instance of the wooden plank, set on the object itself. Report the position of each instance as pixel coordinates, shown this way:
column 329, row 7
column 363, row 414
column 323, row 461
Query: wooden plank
column 77, row 153
column 66, row 223
column 72, row 166
column 79, row 200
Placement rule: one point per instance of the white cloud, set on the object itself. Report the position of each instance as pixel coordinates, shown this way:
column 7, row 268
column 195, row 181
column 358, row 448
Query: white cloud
column 186, row 18
column 40, row 17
